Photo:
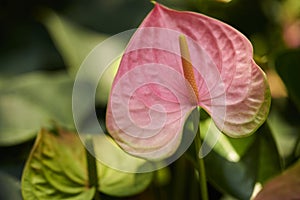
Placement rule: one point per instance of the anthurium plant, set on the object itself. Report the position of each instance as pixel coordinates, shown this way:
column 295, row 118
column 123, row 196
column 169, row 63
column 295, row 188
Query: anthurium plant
column 200, row 62
column 183, row 110
column 175, row 62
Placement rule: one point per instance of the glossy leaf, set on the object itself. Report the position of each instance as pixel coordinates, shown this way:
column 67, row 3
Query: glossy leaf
column 57, row 169
column 285, row 130
column 259, row 163
column 231, row 87
column 233, row 149
column 30, row 101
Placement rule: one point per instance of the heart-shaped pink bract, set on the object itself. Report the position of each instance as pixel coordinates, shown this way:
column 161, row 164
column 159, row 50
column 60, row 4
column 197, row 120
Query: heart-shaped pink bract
column 151, row 98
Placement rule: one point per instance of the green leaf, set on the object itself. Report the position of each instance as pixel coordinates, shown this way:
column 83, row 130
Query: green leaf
column 269, row 163
column 258, row 161
column 285, row 131
column 57, row 169
column 73, row 42
column 288, row 67
column 115, row 182
column 230, row 177
column 230, row 148
column 30, row 101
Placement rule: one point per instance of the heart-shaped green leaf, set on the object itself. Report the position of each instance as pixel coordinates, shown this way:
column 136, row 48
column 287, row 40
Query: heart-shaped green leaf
column 56, row 168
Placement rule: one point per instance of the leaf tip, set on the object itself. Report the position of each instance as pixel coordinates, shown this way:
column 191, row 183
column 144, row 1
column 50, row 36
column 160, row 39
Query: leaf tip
column 154, row 2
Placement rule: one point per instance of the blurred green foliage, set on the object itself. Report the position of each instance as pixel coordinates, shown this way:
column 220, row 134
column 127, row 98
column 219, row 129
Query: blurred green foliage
column 43, row 44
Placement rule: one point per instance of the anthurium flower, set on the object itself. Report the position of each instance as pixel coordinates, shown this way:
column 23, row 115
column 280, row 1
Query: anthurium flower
column 175, row 62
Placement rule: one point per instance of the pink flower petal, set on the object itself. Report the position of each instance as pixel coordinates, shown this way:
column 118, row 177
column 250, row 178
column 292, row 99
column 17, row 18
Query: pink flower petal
column 146, row 114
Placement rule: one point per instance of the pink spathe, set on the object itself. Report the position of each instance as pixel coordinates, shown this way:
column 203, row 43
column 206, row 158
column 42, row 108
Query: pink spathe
column 151, row 99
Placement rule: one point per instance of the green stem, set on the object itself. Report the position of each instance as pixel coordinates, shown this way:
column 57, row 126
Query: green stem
column 92, row 166
column 201, row 166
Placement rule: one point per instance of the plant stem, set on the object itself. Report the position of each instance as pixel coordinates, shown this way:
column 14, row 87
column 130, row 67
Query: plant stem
column 201, row 166
column 92, row 166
